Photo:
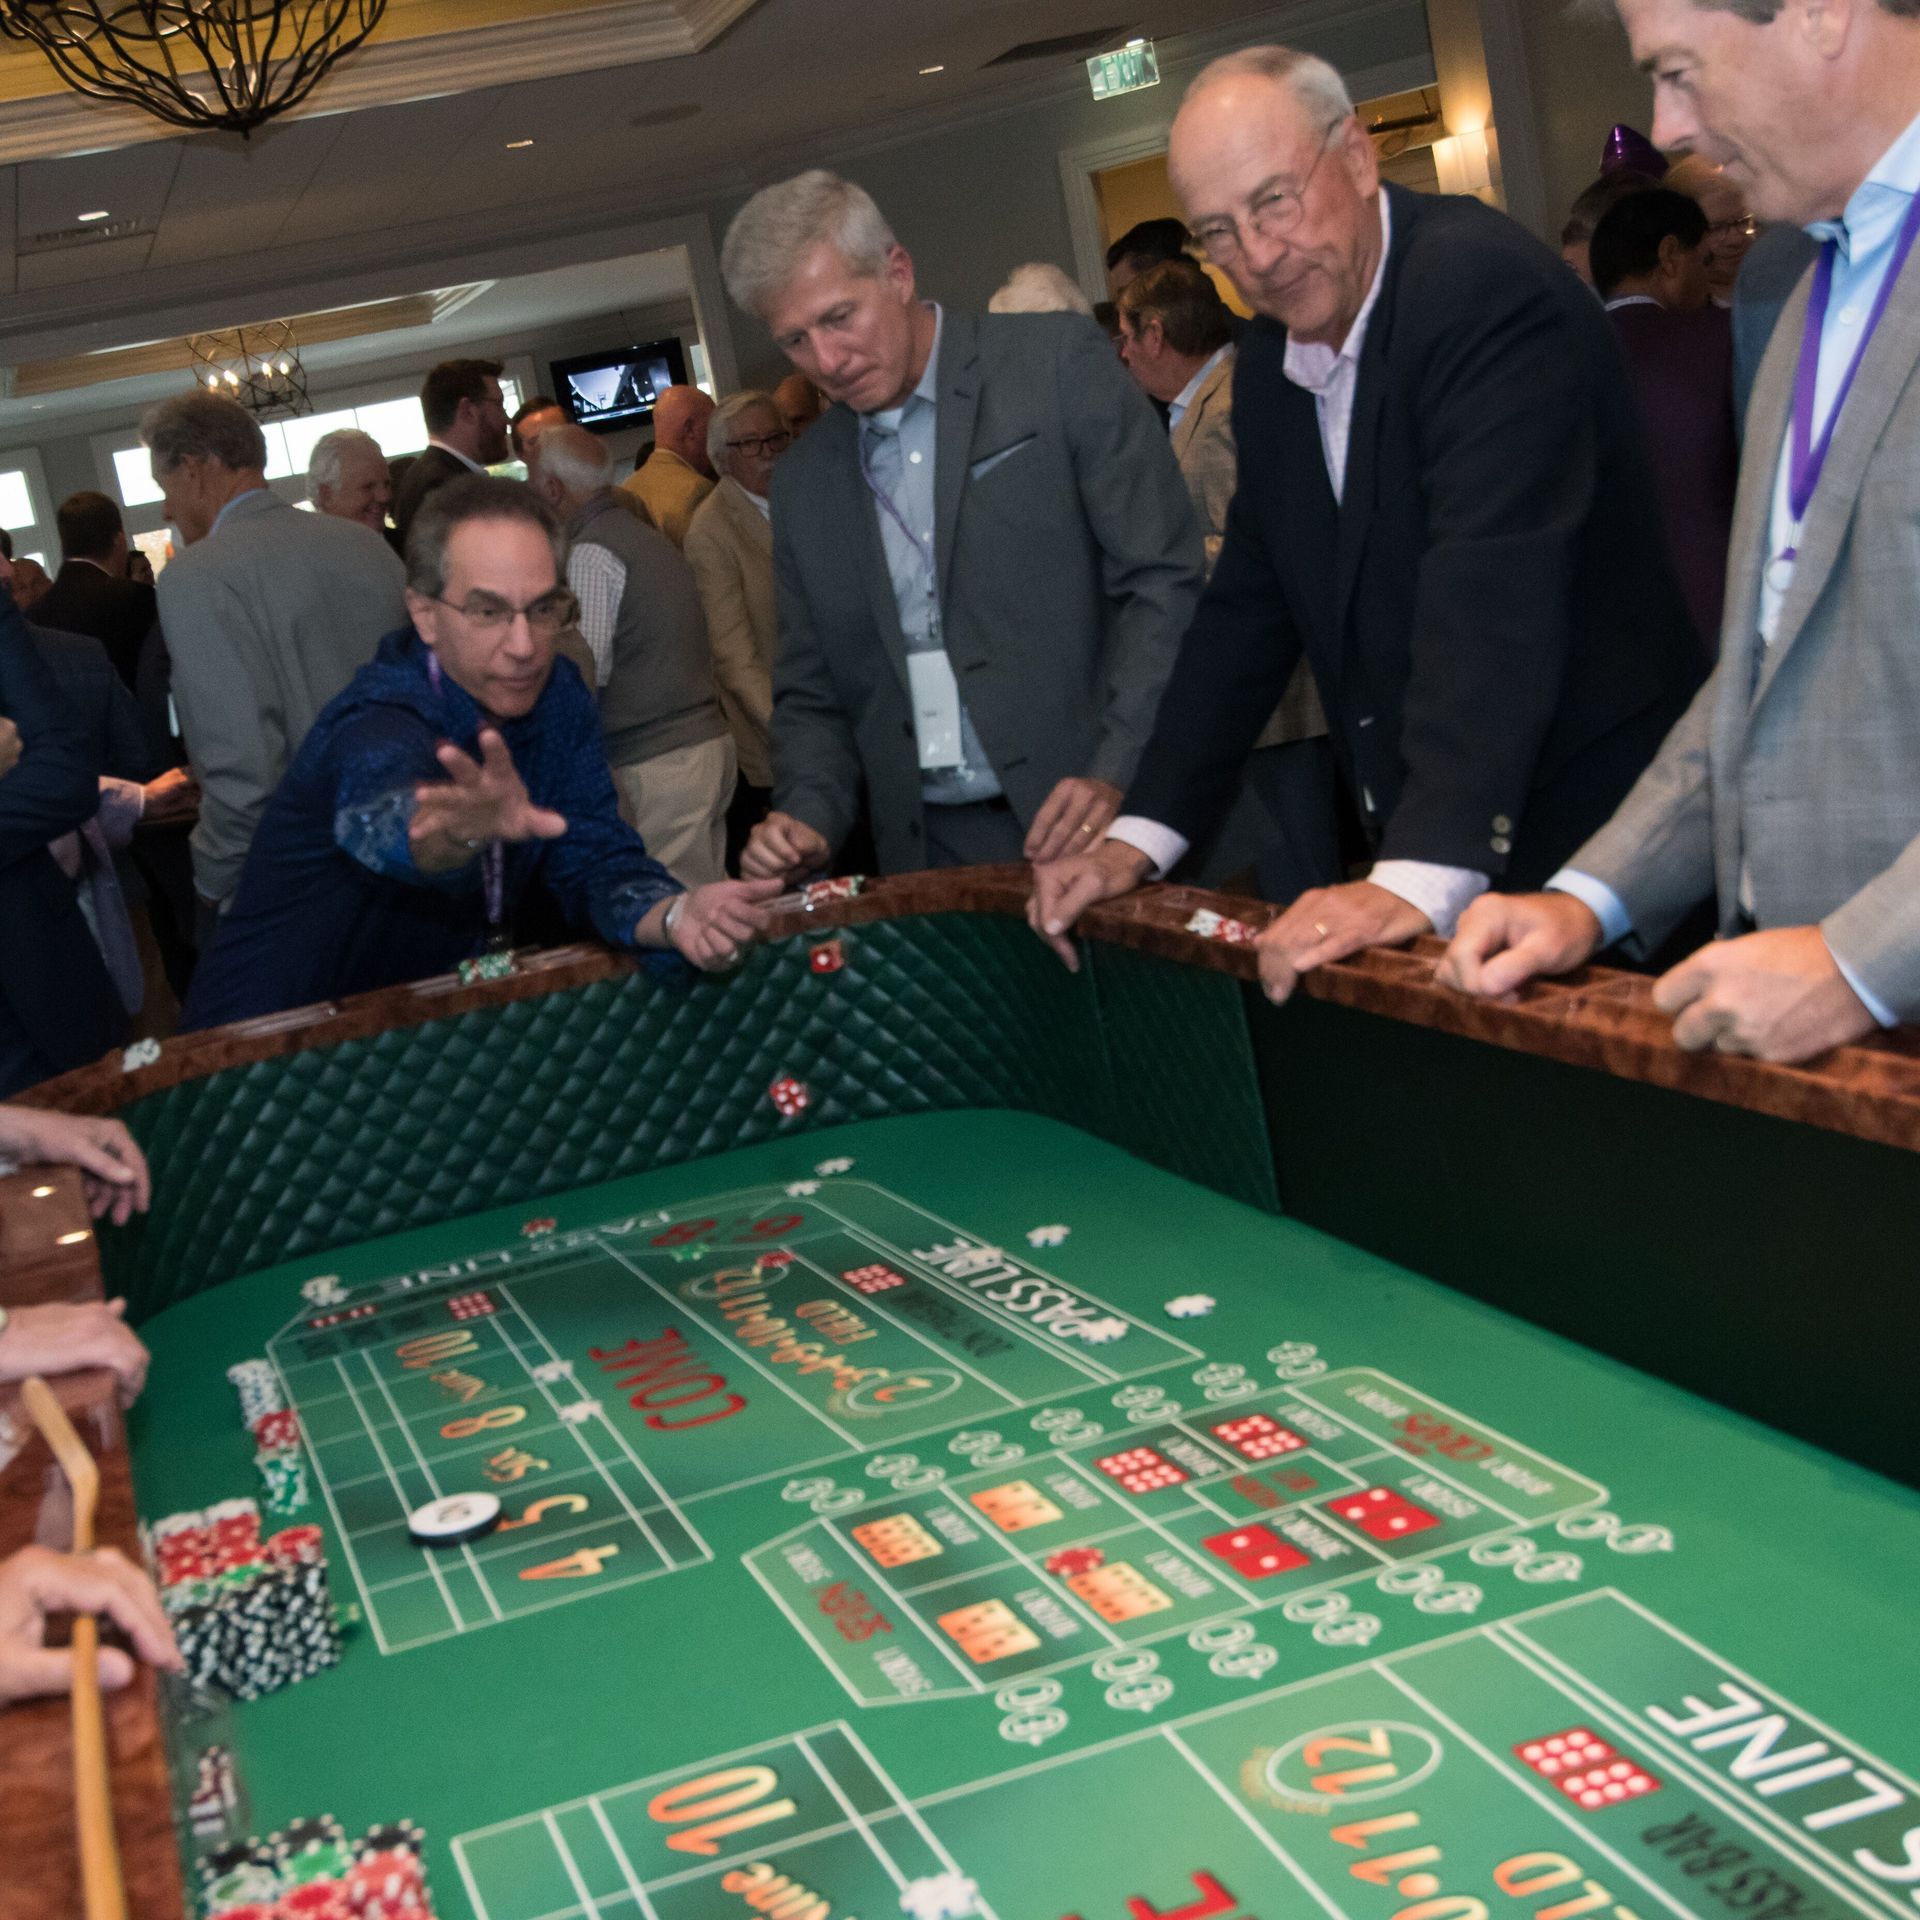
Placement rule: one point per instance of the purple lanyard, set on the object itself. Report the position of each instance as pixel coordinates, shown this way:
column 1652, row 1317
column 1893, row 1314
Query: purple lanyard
column 924, row 548
column 1809, row 458
column 493, row 860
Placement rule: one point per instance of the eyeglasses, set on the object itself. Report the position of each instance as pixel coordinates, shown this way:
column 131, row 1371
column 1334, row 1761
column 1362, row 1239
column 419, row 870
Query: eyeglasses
column 487, row 614
column 762, row 443
column 1745, row 228
column 1274, row 215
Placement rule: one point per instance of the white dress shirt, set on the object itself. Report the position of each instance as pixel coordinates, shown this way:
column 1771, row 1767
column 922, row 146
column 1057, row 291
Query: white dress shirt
column 599, row 580
column 1864, row 237
column 1181, row 401
column 472, row 466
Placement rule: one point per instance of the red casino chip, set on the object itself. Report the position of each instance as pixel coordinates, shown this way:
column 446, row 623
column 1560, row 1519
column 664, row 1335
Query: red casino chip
column 1070, row 1561
column 537, row 1229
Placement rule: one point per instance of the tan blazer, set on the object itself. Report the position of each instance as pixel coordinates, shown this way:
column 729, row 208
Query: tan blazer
column 729, row 546
column 1799, row 763
column 670, row 490
column 1210, row 465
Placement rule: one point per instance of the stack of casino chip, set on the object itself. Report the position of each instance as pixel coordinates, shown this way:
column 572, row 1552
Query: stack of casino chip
column 276, row 1436
column 311, row 1871
column 250, row 1615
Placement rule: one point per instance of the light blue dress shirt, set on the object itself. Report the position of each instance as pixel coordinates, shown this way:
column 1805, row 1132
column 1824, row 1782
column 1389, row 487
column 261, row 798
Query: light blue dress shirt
column 896, row 450
column 1865, row 237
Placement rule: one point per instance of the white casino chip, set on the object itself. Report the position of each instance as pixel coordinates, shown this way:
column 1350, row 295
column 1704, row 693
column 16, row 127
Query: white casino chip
column 454, row 1519
column 324, row 1290
column 1191, row 1306
column 802, row 1189
column 828, row 1167
column 943, row 1896
column 580, row 1411
column 1102, row 1332
column 550, row 1372
column 1047, row 1236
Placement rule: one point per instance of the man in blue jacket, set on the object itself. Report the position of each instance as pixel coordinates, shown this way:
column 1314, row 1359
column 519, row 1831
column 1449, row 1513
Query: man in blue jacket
column 460, row 768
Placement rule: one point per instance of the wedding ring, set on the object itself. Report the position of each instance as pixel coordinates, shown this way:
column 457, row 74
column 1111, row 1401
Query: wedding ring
column 1086, row 826
column 1320, row 927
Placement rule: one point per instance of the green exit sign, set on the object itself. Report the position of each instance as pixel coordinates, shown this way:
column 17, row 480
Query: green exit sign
column 1126, row 70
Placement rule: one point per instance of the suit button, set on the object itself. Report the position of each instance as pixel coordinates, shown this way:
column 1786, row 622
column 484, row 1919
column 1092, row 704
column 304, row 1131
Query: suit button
column 1501, row 844
column 1501, row 824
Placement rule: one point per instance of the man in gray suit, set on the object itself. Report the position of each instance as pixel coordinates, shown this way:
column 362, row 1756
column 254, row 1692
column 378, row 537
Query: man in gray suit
column 1790, row 790
column 268, row 613
column 984, row 554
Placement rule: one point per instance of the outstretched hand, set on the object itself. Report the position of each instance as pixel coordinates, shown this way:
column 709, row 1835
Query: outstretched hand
column 480, row 800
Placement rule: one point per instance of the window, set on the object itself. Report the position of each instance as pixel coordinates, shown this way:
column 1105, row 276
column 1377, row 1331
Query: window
column 24, row 509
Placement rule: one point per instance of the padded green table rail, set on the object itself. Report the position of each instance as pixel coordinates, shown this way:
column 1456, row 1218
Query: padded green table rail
column 956, row 1515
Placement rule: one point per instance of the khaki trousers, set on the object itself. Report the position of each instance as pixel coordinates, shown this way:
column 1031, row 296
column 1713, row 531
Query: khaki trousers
column 677, row 803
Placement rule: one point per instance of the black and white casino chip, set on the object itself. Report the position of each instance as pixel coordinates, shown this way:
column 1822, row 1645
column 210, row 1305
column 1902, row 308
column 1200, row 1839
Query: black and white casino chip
column 454, row 1519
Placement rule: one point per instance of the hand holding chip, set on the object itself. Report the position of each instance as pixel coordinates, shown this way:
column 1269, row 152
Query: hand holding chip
column 715, row 922
column 784, row 848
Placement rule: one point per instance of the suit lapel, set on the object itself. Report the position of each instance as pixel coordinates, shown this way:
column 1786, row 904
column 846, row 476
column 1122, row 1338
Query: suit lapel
column 1357, row 495
column 1197, row 409
column 1891, row 358
column 959, row 401
column 868, row 548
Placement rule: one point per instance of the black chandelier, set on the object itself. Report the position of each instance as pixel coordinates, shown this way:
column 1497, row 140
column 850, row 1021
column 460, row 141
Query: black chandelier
column 228, row 65
column 259, row 366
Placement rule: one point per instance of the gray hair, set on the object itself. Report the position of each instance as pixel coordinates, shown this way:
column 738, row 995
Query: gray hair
column 328, row 460
column 582, row 462
column 206, row 426
column 1041, row 287
column 1757, row 13
column 782, row 224
column 474, row 496
column 721, row 419
column 1317, row 86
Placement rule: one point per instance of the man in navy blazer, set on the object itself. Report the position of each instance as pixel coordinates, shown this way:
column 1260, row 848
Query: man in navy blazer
column 58, row 1007
column 1445, row 505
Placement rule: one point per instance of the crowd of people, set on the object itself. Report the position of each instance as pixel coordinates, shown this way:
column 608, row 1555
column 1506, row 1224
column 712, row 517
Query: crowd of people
column 1549, row 605
column 1356, row 551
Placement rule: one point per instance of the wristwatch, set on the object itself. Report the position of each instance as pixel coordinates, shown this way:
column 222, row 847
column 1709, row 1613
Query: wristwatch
column 671, row 918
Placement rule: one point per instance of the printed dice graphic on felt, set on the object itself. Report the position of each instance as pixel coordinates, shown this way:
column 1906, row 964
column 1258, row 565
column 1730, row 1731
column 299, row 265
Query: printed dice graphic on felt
column 1590, row 1772
column 1382, row 1514
column 987, row 1631
column 1119, row 1592
column 873, row 1279
column 470, row 1306
column 789, row 1096
column 1141, row 1470
column 897, row 1541
column 1256, row 1553
column 1015, row 1505
column 1074, row 1560
column 1257, row 1436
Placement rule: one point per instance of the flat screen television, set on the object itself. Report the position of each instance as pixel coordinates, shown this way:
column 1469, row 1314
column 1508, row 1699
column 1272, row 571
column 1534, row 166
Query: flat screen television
column 612, row 391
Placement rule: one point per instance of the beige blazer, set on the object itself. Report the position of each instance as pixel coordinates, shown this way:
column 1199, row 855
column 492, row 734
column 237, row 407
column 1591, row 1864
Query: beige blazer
column 670, row 490
column 1210, row 465
column 1798, row 764
column 729, row 546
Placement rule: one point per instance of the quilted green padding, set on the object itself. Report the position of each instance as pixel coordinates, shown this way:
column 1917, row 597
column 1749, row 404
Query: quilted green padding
column 295, row 1155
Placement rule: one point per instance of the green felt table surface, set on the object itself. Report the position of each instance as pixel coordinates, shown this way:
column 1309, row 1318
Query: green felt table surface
column 751, row 1701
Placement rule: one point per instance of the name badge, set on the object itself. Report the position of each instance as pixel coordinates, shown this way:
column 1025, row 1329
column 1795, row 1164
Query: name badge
column 936, row 709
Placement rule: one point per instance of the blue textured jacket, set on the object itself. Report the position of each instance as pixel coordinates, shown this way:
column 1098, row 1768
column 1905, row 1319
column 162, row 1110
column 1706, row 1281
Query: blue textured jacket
column 330, row 902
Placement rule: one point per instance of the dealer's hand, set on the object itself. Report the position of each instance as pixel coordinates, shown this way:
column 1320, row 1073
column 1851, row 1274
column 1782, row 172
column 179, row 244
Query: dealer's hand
column 480, row 800
column 1506, row 939
column 105, row 1152
column 1329, row 923
column 1074, row 818
column 1776, row 995
column 36, row 1582
column 9, row 746
column 1064, row 889
column 714, row 922
column 65, row 1337
column 783, row 848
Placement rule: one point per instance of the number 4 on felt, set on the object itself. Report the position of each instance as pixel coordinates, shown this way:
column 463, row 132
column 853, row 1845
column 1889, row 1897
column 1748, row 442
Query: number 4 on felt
column 576, row 1565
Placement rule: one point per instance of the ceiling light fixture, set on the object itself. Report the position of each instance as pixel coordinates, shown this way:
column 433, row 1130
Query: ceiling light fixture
column 924, row 71
column 224, row 64
column 514, row 146
column 99, row 213
column 259, row 366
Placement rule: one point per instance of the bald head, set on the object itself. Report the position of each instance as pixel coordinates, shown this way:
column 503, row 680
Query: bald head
column 1281, row 187
column 799, row 402
column 680, row 418
column 567, row 466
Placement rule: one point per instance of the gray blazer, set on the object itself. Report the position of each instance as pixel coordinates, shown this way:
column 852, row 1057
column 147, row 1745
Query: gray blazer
column 1069, row 563
column 267, row 619
column 1801, row 761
